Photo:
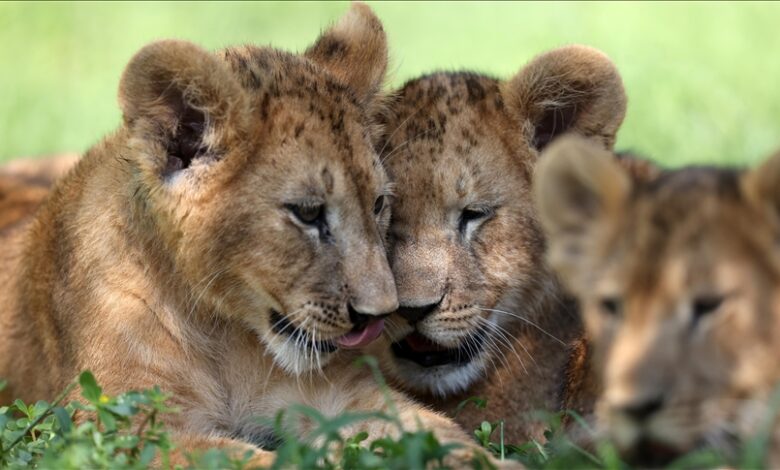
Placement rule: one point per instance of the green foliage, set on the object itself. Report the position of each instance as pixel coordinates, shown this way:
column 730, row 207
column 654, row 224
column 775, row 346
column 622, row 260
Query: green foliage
column 557, row 451
column 411, row 450
column 125, row 432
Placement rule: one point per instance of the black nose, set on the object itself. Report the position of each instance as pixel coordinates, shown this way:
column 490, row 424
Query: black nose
column 641, row 410
column 360, row 319
column 416, row 314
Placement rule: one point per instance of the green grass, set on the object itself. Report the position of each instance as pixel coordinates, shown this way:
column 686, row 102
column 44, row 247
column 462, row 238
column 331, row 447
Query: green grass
column 125, row 432
column 701, row 77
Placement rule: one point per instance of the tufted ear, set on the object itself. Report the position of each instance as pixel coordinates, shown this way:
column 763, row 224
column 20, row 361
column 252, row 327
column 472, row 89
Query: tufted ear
column 182, row 97
column 354, row 50
column 762, row 186
column 578, row 188
column 574, row 88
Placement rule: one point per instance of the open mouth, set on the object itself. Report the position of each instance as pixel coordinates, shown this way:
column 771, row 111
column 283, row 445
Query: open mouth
column 427, row 353
column 356, row 338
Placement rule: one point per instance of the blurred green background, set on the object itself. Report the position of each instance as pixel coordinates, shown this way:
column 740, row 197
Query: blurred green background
column 701, row 77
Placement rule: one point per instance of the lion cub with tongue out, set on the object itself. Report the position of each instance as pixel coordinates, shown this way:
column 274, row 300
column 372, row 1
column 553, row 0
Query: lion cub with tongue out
column 224, row 243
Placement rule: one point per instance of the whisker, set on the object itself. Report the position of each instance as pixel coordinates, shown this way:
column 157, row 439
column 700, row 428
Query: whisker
column 403, row 144
column 196, row 301
column 392, row 134
column 519, row 317
column 508, row 343
column 507, row 337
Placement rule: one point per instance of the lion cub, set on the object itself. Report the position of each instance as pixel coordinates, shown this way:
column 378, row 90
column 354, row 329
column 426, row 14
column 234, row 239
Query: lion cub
column 679, row 281
column 226, row 243
column 481, row 313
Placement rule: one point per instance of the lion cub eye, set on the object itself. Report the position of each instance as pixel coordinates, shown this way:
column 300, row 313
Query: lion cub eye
column 705, row 305
column 472, row 214
column 379, row 204
column 308, row 214
column 610, row 306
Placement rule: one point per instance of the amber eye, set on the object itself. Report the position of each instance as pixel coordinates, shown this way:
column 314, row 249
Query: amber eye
column 472, row 214
column 705, row 305
column 309, row 214
column 611, row 306
column 379, row 204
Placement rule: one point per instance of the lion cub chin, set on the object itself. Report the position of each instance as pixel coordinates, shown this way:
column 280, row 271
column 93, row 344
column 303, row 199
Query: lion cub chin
column 679, row 280
column 224, row 243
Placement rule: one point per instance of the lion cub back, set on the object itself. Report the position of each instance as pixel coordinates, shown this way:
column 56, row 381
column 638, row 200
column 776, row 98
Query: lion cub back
column 25, row 183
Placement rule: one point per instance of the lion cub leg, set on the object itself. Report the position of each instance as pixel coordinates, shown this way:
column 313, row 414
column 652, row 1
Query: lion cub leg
column 361, row 393
column 195, row 444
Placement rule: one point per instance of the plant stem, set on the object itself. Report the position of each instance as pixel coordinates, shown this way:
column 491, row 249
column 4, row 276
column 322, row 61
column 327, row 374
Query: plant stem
column 143, row 423
column 43, row 416
column 501, row 428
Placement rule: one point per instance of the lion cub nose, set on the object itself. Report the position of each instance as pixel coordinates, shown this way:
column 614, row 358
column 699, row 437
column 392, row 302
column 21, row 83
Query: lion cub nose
column 370, row 284
column 374, row 304
column 360, row 319
column 414, row 314
column 641, row 410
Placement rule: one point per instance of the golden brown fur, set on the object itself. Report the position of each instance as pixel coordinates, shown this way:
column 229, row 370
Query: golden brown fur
column 678, row 279
column 466, row 250
column 178, row 251
column 18, row 200
column 25, row 183
column 43, row 170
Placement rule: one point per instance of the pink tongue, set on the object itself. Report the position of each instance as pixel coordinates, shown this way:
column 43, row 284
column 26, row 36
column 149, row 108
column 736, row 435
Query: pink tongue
column 360, row 338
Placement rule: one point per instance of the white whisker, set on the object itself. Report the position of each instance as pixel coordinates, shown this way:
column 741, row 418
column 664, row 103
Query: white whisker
column 500, row 335
column 392, row 134
column 519, row 317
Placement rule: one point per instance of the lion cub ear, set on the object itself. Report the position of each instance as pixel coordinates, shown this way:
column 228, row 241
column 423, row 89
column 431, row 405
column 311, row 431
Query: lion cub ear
column 574, row 88
column 761, row 185
column 354, row 50
column 579, row 189
column 183, row 98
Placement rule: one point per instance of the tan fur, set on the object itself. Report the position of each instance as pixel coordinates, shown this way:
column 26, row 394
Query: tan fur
column 581, row 387
column 25, row 183
column 19, row 199
column 456, row 141
column 678, row 278
column 162, row 257
column 41, row 170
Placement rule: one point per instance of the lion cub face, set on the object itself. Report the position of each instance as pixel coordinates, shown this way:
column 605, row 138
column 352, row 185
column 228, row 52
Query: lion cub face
column 677, row 277
column 255, row 168
column 465, row 247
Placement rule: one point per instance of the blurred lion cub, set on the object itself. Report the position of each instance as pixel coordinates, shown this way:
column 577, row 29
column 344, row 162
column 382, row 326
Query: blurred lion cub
column 678, row 279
